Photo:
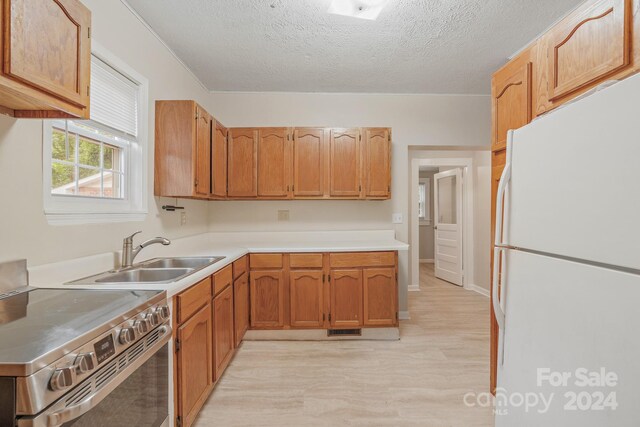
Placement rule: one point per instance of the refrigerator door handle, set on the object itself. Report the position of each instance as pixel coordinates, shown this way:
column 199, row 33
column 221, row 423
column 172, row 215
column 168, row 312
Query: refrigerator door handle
column 497, row 293
column 502, row 188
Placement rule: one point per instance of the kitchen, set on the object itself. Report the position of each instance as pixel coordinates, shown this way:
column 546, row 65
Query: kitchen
column 299, row 183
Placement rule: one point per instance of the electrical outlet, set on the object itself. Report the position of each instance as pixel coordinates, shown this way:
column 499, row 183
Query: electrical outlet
column 183, row 218
column 396, row 218
column 283, row 215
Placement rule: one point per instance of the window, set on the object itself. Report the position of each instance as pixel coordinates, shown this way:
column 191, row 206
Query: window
column 424, row 194
column 95, row 170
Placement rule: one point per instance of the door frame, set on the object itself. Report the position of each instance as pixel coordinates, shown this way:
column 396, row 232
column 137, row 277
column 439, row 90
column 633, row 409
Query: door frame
column 468, row 185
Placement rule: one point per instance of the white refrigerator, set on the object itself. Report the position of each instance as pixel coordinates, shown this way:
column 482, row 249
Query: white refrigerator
column 569, row 257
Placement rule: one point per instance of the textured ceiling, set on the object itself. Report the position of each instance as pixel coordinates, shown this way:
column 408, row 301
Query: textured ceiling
column 415, row 46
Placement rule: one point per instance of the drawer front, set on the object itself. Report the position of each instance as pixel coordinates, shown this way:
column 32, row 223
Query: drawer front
column 260, row 261
column 222, row 279
column 193, row 298
column 239, row 267
column 305, row 260
column 362, row 259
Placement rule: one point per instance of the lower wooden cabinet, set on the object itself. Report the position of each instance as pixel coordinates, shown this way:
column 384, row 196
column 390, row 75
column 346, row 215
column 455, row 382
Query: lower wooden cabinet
column 241, row 306
column 223, row 330
column 346, row 298
column 380, row 297
column 306, row 301
column 267, row 298
column 194, row 364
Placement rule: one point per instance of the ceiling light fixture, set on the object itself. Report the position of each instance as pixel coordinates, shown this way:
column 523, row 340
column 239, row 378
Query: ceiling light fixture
column 364, row 9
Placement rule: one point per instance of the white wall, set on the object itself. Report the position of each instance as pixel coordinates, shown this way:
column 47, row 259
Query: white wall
column 417, row 120
column 24, row 232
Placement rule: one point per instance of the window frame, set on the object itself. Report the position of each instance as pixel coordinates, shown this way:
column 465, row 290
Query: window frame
column 67, row 209
column 426, row 219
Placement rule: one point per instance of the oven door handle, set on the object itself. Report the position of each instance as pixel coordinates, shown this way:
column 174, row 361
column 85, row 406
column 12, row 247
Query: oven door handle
column 75, row 411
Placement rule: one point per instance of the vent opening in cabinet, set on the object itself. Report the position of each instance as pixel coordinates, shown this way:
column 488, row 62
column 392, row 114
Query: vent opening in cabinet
column 344, row 332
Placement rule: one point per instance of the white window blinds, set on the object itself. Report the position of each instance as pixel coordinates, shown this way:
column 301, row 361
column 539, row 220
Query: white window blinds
column 114, row 98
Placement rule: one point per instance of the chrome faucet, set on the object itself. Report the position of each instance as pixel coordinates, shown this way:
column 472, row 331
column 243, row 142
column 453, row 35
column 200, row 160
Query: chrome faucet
column 129, row 253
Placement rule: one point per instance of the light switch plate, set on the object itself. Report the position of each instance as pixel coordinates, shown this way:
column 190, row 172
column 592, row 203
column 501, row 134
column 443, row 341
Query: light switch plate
column 396, row 218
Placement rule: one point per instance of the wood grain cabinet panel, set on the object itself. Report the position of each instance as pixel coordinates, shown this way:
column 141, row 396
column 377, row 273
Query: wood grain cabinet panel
column 194, row 364
column 306, row 301
column 377, row 161
column 223, row 330
column 46, row 52
column 267, row 298
column 346, row 298
column 241, row 306
column 182, row 150
column 511, row 100
column 189, row 301
column 274, row 162
column 309, row 153
column 380, row 297
column 219, row 160
column 590, row 44
column 203, row 152
column 345, row 170
column 242, row 163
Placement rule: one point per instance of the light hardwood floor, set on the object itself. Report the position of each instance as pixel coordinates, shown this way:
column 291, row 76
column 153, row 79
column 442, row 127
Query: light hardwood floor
column 420, row 380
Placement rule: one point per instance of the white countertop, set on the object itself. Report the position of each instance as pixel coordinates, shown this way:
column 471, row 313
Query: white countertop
column 230, row 245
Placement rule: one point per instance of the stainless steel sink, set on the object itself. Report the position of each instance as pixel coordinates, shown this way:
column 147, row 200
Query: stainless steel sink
column 187, row 262
column 157, row 270
column 145, row 275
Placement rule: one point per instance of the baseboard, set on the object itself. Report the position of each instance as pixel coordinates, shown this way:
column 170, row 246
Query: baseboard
column 414, row 288
column 382, row 334
column 475, row 288
column 427, row 261
column 404, row 315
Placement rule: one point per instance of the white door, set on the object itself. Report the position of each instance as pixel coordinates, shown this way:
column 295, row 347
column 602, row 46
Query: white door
column 448, row 225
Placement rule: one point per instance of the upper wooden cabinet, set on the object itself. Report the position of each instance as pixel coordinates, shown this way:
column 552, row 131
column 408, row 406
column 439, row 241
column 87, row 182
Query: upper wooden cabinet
column 274, row 163
column 377, row 162
column 309, row 157
column 219, row 160
column 46, row 58
column 242, row 160
column 588, row 45
column 345, row 163
column 182, row 150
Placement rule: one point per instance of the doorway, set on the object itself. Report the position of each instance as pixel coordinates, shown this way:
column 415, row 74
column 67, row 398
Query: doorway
column 442, row 226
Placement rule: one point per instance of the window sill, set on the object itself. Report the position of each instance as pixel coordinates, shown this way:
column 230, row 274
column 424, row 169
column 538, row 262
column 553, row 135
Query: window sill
column 93, row 218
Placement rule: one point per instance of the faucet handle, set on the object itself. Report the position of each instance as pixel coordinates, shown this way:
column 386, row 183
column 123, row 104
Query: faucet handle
column 130, row 238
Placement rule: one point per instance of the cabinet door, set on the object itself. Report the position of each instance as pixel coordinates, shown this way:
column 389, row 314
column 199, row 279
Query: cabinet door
column 512, row 102
column 380, row 297
column 345, row 163
column 377, row 157
column 223, row 330
column 274, row 162
column 267, row 298
column 203, row 152
column 47, row 46
column 346, row 298
column 219, row 161
column 194, row 364
column 309, row 152
column 306, row 298
column 242, row 163
column 587, row 46
column 241, row 307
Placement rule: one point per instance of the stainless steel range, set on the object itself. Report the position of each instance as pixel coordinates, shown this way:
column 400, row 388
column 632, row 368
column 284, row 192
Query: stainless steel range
column 83, row 357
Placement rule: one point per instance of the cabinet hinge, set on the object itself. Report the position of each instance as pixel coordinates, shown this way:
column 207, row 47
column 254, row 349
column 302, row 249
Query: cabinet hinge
column 323, row 317
column 359, row 187
column 329, row 317
column 177, row 345
column 196, row 182
column 323, row 277
column 88, row 90
column 360, row 137
column 397, row 317
column 328, row 278
column 89, row 32
column 293, row 188
column 178, row 422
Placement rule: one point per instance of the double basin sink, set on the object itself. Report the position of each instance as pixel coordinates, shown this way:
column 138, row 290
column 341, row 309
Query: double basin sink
column 157, row 270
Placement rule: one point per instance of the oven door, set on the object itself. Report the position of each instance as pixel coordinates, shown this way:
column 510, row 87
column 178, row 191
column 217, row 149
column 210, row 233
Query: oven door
column 131, row 390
